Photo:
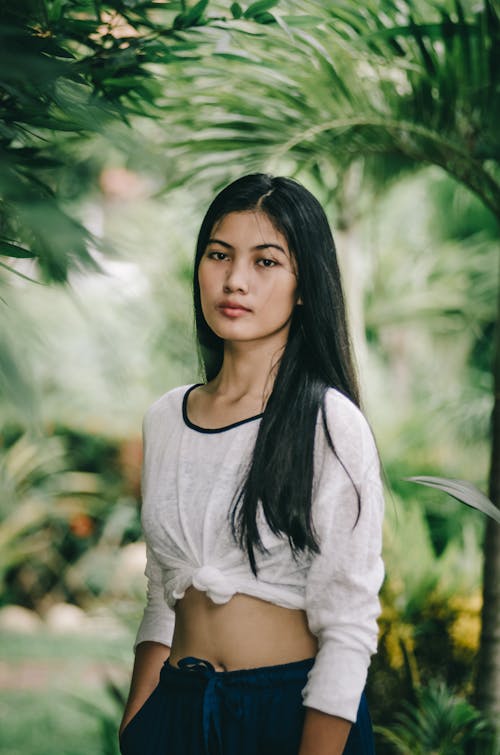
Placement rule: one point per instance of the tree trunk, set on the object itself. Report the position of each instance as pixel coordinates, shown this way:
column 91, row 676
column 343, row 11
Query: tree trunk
column 488, row 676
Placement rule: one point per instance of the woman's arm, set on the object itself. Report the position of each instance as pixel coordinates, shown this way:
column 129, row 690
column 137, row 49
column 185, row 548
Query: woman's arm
column 149, row 659
column 323, row 734
column 343, row 581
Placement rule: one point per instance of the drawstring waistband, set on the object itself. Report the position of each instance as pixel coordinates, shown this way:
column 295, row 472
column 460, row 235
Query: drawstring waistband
column 211, row 708
column 220, row 687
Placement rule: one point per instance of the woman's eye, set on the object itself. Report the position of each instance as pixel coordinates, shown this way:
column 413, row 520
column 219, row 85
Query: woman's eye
column 217, row 255
column 266, row 262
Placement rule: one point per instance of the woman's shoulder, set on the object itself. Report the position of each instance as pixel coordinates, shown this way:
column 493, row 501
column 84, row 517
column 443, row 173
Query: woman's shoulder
column 168, row 402
column 338, row 405
column 348, row 425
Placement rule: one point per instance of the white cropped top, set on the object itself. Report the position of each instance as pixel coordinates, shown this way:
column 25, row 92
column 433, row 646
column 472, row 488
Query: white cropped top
column 189, row 476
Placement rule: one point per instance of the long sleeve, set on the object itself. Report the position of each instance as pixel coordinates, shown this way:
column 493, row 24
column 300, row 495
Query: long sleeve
column 158, row 619
column 344, row 580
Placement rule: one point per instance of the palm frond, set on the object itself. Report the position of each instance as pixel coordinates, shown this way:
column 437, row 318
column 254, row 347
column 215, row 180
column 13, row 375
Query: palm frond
column 378, row 81
column 463, row 491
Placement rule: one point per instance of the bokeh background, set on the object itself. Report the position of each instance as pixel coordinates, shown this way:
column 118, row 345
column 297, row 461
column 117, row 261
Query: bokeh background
column 118, row 122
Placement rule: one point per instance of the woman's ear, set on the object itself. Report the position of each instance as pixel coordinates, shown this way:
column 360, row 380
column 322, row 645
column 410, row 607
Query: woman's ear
column 299, row 300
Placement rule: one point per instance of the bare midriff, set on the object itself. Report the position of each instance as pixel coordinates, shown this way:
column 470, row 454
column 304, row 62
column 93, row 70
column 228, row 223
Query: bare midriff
column 245, row 632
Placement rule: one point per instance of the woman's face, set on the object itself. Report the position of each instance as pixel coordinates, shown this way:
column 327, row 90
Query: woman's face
column 247, row 279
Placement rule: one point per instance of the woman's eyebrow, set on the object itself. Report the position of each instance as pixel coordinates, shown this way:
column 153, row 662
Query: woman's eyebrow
column 267, row 245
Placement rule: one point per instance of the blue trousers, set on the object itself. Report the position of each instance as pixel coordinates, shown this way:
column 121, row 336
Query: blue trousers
column 196, row 710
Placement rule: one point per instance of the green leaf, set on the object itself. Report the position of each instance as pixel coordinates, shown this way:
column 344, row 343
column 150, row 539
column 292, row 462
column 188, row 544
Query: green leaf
column 192, row 16
column 463, row 491
column 21, row 275
column 239, row 56
column 264, row 18
column 304, row 22
column 53, row 124
column 123, row 82
column 54, row 10
column 81, row 26
column 12, row 250
column 236, row 10
column 255, row 9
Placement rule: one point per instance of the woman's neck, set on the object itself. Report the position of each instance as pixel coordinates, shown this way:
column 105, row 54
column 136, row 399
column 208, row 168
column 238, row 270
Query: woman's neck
column 247, row 371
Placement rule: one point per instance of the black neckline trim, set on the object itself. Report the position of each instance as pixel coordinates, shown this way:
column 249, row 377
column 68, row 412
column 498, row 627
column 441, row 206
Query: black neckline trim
column 210, row 430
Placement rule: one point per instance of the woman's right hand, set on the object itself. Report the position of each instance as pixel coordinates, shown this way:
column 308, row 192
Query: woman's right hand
column 149, row 659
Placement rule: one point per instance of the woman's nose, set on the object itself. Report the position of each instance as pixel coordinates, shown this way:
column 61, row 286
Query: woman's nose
column 236, row 278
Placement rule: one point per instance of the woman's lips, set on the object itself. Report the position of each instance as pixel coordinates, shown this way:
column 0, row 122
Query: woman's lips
column 232, row 310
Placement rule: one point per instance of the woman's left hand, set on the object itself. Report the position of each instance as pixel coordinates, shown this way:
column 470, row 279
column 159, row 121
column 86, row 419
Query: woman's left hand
column 323, row 734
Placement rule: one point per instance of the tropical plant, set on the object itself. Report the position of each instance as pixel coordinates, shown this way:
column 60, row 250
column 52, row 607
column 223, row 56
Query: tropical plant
column 463, row 491
column 431, row 602
column 439, row 722
column 33, row 474
column 59, row 534
column 69, row 71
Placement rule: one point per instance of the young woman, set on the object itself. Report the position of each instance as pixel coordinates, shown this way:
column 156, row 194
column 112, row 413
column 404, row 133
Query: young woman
column 262, row 504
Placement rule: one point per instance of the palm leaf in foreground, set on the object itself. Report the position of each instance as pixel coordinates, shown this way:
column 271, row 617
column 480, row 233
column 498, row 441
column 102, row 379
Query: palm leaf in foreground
column 463, row 491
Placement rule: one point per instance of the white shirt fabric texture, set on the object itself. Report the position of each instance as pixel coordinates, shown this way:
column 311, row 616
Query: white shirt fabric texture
column 189, row 477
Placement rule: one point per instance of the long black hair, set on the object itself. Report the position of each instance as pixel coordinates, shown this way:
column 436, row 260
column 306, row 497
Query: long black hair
column 317, row 356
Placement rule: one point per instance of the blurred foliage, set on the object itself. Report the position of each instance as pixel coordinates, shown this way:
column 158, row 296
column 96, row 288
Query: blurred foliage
column 113, row 342
column 54, row 514
column 436, row 339
column 108, row 718
column 37, row 723
column 438, row 721
column 70, row 71
column 424, row 670
column 330, row 83
column 44, row 677
column 431, row 602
